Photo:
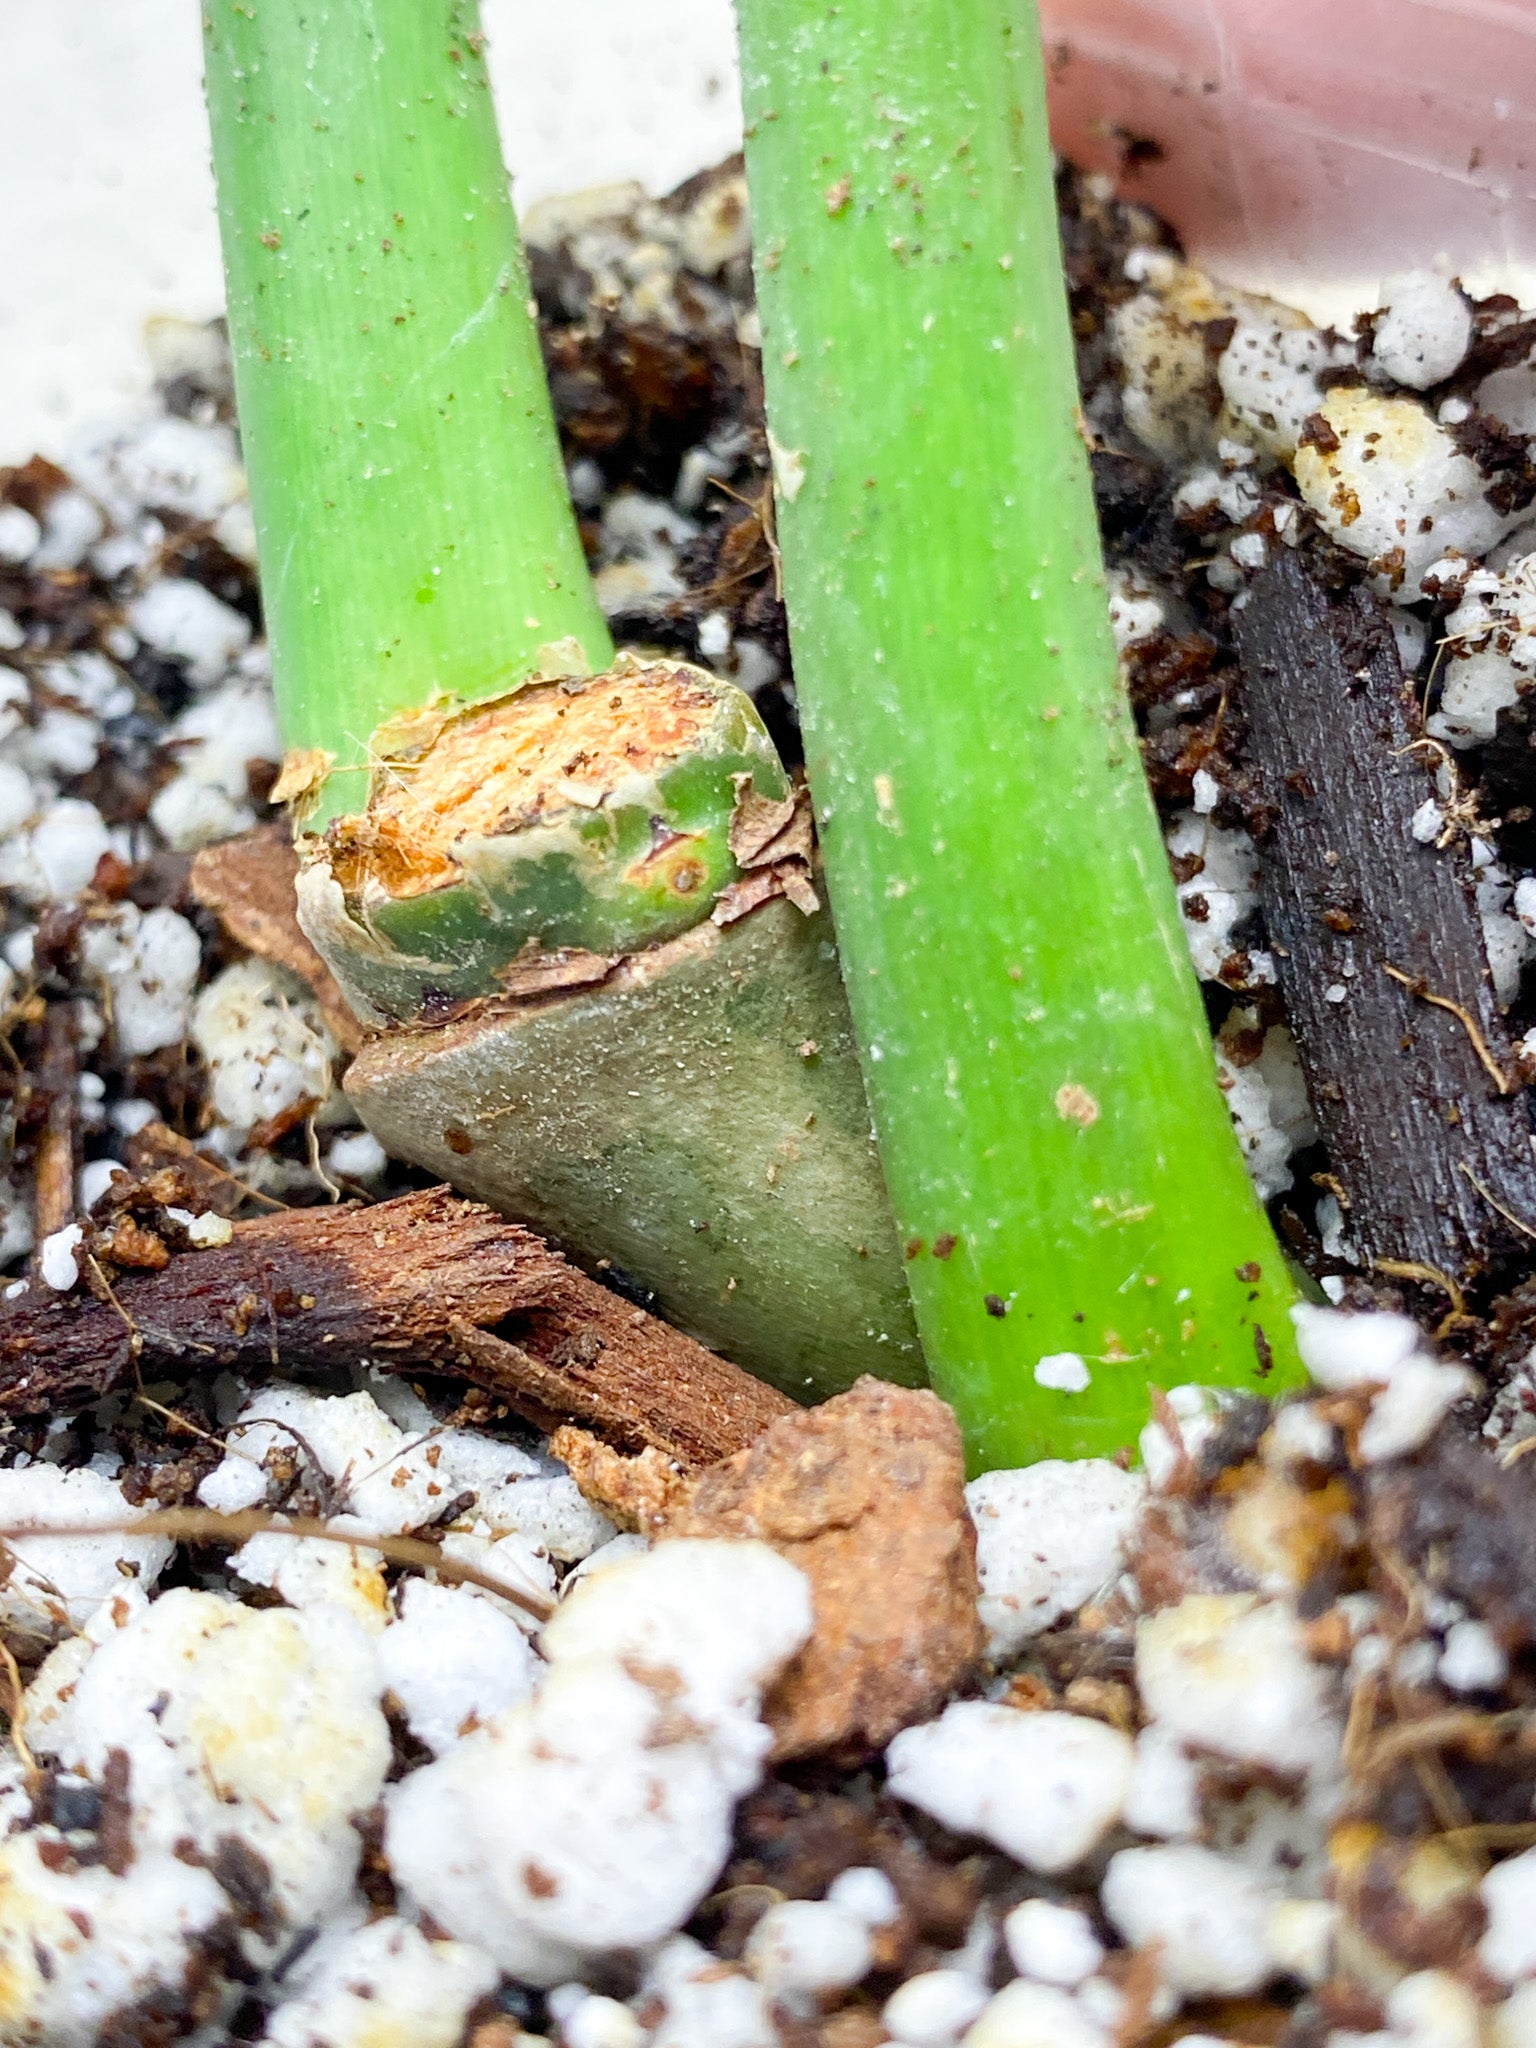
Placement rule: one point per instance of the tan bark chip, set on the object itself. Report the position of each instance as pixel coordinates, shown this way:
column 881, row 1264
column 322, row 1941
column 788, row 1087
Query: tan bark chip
column 866, row 1494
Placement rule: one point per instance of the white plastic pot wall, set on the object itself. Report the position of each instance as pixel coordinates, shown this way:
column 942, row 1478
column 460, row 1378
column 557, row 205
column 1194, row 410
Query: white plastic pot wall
column 1311, row 147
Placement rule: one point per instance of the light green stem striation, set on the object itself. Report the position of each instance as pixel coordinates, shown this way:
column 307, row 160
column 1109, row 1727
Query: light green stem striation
column 1039, row 1066
column 414, row 528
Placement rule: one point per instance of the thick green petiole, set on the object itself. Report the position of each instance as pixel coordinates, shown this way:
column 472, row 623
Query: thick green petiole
column 578, row 888
column 415, row 530
column 1077, row 1218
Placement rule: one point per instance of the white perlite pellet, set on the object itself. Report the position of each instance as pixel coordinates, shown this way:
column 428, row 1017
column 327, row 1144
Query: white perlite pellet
column 215, row 740
column 867, row 1894
column 1217, row 899
column 184, row 622
column 933, row 2009
column 147, row 963
column 801, row 1947
column 1136, row 612
column 1048, row 1537
column 57, row 1265
column 1025, row 2015
column 19, row 535
column 1417, row 1392
column 166, row 463
column 266, row 1044
column 54, row 859
column 1423, row 330
column 235, row 1733
column 386, row 1985
column 596, row 1814
column 454, row 1662
column 1207, row 1915
column 1513, row 2024
column 597, row 2022
column 1268, row 374
column 705, row 2003
column 1472, row 1660
column 388, row 1480
column 1488, row 651
column 1053, row 1944
column 1266, row 1098
column 1229, row 1673
column 56, row 1583
column 1397, row 490
column 1046, row 1787
column 1063, row 1372
column 1508, row 1947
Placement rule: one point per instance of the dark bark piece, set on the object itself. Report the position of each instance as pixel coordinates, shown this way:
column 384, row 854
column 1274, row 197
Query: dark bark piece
column 248, row 883
column 409, row 1284
column 1426, row 1148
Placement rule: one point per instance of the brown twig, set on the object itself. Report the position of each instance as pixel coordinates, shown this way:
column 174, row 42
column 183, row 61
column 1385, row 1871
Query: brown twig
column 206, row 1525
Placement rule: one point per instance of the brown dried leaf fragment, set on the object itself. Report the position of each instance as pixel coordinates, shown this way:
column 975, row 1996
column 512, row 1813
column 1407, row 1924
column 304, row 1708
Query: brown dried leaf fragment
column 765, row 831
column 740, row 897
column 791, row 878
column 756, row 822
column 302, row 772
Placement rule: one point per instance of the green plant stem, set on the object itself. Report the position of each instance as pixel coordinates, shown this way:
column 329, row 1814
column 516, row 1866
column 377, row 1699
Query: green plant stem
column 696, row 1118
column 411, row 512
column 1035, row 1050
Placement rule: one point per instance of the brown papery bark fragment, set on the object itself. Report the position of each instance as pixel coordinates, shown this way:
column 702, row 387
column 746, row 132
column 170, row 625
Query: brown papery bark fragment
column 1367, row 925
column 248, row 883
column 419, row 1283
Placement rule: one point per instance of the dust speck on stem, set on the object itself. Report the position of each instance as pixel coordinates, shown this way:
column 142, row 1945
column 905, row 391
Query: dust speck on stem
column 1075, row 1105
